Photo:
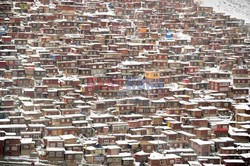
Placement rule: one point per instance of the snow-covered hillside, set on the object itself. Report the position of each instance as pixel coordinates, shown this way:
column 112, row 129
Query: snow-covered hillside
column 236, row 8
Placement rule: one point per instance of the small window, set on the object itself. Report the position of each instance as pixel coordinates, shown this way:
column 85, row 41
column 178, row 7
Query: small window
column 224, row 127
column 25, row 146
column 54, row 132
column 7, row 148
column 70, row 157
column 59, row 144
column 51, row 154
column 59, row 154
column 106, row 141
column 126, row 162
column 52, row 144
column 193, row 158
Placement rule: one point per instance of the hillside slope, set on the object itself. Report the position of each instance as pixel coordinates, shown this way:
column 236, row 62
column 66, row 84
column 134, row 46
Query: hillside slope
column 236, row 8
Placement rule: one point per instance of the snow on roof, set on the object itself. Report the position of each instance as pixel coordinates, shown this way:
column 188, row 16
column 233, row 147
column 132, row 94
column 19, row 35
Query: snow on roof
column 120, row 155
column 70, row 136
column 55, row 149
column 245, row 155
column 91, row 148
column 194, row 163
column 186, row 133
column 243, row 114
column 13, row 126
column 73, row 152
column 157, row 142
column 226, row 138
column 112, row 147
column 242, row 106
column 141, row 153
column 93, row 115
column 27, row 141
column 52, row 138
column 90, row 142
column 201, row 142
column 159, row 156
column 247, row 126
column 99, row 125
column 132, row 115
column 233, row 161
column 121, row 142
column 127, row 63
column 128, row 158
column 169, row 132
column 208, row 108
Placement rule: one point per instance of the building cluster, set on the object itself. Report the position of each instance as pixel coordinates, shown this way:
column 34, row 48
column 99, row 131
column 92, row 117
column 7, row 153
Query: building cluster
column 122, row 82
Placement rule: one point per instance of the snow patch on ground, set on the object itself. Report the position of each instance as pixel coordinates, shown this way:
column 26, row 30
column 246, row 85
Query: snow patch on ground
column 239, row 9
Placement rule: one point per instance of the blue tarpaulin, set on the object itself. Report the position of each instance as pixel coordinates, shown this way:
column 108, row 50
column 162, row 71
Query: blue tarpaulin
column 168, row 34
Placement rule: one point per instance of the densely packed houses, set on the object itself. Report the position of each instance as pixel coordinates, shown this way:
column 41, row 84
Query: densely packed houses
column 122, row 82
